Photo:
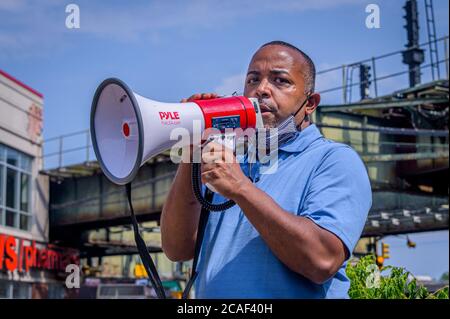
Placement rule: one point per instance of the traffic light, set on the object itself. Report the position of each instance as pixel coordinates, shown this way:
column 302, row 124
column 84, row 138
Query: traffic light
column 413, row 56
column 410, row 243
column 412, row 22
column 139, row 271
column 383, row 256
column 385, row 250
column 364, row 81
column 379, row 261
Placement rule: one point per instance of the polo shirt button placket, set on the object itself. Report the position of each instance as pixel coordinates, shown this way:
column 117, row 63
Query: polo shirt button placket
column 257, row 174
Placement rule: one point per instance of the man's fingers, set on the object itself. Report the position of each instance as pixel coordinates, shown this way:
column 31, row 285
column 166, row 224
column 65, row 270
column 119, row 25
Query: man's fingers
column 217, row 153
column 196, row 96
column 212, row 152
column 206, row 96
column 216, row 157
column 206, row 177
column 202, row 96
column 213, row 147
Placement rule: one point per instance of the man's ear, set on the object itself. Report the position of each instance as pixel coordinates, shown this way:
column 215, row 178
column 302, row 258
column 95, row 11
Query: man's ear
column 313, row 103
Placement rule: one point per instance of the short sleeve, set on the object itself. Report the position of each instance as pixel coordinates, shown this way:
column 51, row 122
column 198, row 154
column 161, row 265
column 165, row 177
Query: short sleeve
column 339, row 197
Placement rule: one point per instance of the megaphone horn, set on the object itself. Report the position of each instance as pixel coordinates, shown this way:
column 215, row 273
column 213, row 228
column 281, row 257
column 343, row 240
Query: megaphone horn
column 127, row 129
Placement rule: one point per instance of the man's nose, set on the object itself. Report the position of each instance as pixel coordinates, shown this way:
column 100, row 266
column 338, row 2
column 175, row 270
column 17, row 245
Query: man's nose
column 263, row 90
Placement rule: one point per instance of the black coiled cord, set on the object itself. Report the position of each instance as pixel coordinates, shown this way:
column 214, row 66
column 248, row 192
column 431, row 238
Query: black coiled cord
column 196, row 186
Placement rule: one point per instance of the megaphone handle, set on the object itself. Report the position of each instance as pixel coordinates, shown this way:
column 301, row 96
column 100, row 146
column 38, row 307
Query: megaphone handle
column 226, row 139
column 197, row 189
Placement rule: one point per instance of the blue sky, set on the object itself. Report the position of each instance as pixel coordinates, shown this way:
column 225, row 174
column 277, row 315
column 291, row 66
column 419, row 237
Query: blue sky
column 429, row 257
column 168, row 50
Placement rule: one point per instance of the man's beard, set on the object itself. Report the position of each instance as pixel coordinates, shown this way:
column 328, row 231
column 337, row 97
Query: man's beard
column 271, row 121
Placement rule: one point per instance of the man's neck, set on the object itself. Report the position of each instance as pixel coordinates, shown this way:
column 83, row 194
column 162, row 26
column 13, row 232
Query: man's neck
column 304, row 125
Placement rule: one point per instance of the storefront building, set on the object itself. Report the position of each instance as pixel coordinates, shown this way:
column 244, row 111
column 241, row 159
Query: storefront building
column 30, row 267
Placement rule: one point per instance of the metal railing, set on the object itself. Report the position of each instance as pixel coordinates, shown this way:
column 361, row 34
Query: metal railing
column 57, row 149
column 390, row 143
column 346, row 71
column 117, row 195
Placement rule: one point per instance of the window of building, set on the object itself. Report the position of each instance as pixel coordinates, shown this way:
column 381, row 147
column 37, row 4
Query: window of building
column 15, row 189
column 14, row 290
column 21, row 290
column 5, row 290
column 55, row 291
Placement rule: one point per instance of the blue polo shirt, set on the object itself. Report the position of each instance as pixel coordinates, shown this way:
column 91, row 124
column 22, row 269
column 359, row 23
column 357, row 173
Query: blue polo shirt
column 316, row 178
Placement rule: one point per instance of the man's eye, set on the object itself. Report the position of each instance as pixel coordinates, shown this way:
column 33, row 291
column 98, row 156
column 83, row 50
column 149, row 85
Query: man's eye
column 252, row 80
column 281, row 80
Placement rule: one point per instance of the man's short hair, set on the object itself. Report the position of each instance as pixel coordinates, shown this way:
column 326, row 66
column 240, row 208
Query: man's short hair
column 310, row 74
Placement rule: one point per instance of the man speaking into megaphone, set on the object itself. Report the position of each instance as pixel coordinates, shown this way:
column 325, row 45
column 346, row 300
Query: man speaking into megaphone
column 291, row 232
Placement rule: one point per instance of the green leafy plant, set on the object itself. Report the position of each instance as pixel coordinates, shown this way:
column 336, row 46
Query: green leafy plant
column 368, row 282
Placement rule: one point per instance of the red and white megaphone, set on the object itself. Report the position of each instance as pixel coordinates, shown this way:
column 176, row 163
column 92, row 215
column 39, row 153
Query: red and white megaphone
column 128, row 129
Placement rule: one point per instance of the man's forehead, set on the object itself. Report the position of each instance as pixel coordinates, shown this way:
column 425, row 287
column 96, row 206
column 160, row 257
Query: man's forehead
column 277, row 57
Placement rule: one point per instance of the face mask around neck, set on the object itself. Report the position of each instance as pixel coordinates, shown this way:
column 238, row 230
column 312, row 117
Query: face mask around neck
column 287, row 130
